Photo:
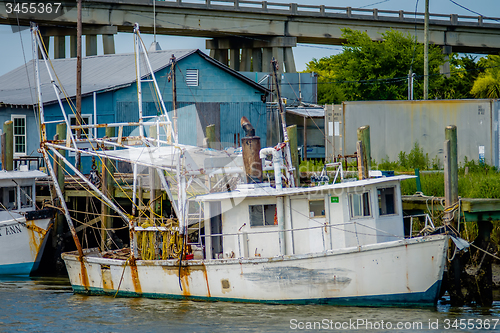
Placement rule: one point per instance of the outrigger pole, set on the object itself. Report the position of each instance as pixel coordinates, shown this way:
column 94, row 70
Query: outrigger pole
column 36, row 46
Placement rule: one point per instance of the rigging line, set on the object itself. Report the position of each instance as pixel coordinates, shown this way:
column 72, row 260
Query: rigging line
column 470, row 10
column 78, row 182
column 375, row 3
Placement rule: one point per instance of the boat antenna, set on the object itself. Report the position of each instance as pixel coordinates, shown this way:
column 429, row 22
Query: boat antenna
column 289, row 166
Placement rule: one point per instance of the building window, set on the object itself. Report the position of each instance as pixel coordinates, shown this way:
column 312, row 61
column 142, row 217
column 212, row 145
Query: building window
column 19, row 134
column 359, row 204
column 192, row 77
column 86, row 132
column 316, row 208
column 386, row 202
column 261, row 215
column 86, row 120
column 26, row 196
column 8, row 198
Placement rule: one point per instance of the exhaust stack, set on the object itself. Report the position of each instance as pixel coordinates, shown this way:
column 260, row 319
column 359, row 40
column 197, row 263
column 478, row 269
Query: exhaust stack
column 251, row 147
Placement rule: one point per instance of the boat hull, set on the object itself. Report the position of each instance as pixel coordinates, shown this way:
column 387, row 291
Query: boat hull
column 400, row 273
column 21, row 243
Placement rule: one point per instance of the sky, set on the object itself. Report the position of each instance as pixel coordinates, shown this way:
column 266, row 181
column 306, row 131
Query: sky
column 19, row 44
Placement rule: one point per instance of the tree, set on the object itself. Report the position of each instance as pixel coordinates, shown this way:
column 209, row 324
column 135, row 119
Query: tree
column 464, row 72
column 375, row 70
column 487, row 85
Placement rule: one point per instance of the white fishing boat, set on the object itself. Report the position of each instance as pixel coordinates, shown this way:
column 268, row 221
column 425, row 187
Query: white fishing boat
column 340, row 243
column 23, row 228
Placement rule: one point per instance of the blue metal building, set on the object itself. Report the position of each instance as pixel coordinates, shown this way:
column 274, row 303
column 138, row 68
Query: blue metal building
column 208, row 92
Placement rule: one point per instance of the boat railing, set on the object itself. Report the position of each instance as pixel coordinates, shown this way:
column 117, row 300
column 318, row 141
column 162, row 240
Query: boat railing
column 428, row 224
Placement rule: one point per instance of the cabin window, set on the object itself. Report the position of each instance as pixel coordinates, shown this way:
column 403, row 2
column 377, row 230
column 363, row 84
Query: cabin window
column 360, row 204
column 261, row 215
column 192, row 77
column 8, row 198
column 19, row 124
column 26, row 196
column 316, row 208
column 386, row 200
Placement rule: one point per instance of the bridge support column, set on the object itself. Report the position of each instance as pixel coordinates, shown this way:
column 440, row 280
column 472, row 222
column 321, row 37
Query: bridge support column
column 72, row 46
column 59, row 47
column 445, row 68
column 256, row 54
column 246, row 60
column 90, row 45
column 108, row 43
column 267, row 56
column 234, row 58
column 257, row 60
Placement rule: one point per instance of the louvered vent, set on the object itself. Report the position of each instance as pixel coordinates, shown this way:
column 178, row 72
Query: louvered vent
column 192, row 77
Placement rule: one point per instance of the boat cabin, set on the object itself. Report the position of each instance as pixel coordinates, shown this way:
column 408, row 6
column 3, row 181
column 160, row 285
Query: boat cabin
column 17, row 190
column 245, row 223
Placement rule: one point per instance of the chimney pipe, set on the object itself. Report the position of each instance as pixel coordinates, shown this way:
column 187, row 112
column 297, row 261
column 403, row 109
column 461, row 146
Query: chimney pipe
column 250, row 145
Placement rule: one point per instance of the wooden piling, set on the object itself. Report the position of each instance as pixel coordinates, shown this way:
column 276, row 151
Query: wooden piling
column 8, row 129
column 292, row 139
column 107, row 184
column 211, row 138
column 4, row 137
column 59, row 168
column 451, row 197
column 451, row 135
column 361, row 165
column 364, row 137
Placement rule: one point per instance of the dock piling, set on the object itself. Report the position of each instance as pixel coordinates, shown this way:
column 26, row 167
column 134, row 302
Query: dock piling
column 8, row 129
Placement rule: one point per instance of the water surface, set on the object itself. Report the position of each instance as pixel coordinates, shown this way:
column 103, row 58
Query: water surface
column 49, row 305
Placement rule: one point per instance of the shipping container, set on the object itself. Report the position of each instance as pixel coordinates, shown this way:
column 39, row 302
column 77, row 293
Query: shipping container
column 396, row 126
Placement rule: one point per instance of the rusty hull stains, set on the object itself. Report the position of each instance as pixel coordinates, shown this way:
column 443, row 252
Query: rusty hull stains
column 135, row 276
column 107, row 282
column 35, row 240
column 206, row 279
column 84, row 278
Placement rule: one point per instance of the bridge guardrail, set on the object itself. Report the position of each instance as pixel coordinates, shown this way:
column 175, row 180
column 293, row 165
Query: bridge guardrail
column 341, row 12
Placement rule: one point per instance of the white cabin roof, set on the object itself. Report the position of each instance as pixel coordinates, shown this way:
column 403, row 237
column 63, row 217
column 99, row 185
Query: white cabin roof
column 263, row 190
column 21, row 174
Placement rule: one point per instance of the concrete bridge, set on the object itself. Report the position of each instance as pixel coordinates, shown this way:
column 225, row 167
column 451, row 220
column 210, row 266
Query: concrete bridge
column 247, row 34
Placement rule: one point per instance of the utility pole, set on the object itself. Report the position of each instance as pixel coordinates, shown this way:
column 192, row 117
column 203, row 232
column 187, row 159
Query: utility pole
column 78, row 78
column 426, row 51
column 174, row 96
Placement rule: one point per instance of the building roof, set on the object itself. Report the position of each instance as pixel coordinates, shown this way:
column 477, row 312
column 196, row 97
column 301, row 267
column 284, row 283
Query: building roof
column 99, row 73
column 307, row 112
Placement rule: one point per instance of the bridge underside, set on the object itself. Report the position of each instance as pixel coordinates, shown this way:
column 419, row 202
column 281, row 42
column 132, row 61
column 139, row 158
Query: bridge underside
column 247, row 38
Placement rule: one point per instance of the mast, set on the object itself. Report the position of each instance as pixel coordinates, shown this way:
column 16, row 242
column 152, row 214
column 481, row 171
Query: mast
column 288, row 155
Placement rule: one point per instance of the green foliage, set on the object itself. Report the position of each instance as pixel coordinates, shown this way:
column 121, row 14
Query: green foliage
column 487, row 84
column 464, row 72
column 374, row 70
